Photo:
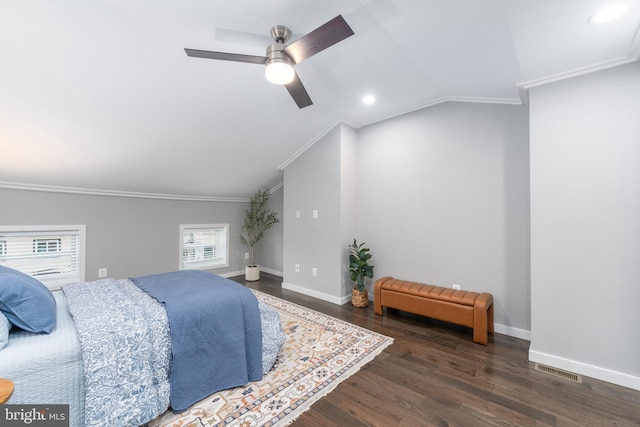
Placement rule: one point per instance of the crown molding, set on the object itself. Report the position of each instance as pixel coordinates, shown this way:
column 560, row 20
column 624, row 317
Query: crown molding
column 442, row 100
column 503, row 101
column 110, row 193
column 308, row 145
column 633, row 56
column 277, row 187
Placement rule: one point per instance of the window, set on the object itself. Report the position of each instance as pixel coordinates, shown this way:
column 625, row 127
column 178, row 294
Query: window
column 204, row 246
column 52, row 254
column 47, row 245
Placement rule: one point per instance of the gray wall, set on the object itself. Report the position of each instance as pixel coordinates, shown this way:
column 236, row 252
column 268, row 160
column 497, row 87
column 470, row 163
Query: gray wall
column 269, row 255
column 348, row 203
column 133, row 236
column 585, row 225
column 313, row 182
column 443, row 198
column 440, row 196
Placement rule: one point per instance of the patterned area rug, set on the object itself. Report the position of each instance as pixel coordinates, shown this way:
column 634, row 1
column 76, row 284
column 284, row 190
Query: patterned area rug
column 320, row 352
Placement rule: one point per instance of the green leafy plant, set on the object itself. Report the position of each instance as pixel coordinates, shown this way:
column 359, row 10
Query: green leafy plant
column 359, row 265
column 257, row 220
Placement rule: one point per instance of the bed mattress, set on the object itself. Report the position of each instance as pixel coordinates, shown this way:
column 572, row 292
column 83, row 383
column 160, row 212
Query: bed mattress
column 47, row 369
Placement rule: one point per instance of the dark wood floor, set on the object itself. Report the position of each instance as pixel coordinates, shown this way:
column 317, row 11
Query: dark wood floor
column 434, row 375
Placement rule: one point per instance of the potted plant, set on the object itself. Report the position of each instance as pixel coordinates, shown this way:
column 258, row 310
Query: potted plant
column 257, row 220
column 360, row 269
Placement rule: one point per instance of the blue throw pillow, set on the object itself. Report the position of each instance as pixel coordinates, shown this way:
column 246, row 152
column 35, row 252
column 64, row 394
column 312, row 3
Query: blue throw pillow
column 5, row 327
column 26, row 302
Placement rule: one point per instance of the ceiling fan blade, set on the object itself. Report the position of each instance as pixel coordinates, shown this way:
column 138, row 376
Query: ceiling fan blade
column 298, row 92
column 319, row 39
column 237, row 57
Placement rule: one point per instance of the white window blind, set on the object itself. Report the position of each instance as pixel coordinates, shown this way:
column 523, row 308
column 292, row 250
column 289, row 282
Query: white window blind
column 52, row 254
column 204, row 246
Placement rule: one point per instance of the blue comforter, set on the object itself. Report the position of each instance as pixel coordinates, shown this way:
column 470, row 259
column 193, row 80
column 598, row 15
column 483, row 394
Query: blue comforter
column 216, row 336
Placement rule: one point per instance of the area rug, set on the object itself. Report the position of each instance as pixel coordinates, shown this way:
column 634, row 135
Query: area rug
column 320, row 352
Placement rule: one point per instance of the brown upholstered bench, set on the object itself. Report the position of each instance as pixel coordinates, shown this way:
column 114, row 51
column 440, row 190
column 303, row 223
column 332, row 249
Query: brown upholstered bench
column 471, row 309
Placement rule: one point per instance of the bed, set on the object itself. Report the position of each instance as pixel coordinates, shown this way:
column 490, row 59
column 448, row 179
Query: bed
column 112, row 354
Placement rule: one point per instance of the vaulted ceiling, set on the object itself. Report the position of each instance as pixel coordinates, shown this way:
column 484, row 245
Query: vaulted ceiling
column 100, row 94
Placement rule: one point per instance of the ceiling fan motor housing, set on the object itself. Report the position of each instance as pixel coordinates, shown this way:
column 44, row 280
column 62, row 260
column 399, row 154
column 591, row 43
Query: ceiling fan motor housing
column 280, row 34
column 275, row 54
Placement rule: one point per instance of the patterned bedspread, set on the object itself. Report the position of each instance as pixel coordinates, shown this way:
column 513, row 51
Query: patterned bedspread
column 126, row 351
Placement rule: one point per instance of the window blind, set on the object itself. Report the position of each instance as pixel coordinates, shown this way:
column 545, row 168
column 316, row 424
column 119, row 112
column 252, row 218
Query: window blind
column 52, row 255
column 204, row 246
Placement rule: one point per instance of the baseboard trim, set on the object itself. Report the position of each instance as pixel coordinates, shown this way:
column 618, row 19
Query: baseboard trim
column 315, row 294
column 512, row 332
column 599, row 373
column 229, row 274
column 500, row 329
column 271, row 271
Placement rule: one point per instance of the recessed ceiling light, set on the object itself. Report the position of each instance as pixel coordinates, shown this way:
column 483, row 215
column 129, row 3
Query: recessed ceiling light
column 610, row 12
column 368, row 99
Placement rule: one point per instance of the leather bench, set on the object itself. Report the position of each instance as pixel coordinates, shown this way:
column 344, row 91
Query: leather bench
column 471, row 309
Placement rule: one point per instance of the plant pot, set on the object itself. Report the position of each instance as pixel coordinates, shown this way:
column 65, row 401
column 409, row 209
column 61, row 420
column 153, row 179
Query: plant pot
column 252, row 273
column 359, row 299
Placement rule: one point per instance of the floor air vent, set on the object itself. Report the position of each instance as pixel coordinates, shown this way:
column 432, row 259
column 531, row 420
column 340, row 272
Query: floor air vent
column 559, row 373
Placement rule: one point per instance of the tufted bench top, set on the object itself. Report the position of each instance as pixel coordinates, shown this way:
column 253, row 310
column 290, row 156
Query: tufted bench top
column 429, row 291
column 471, row 309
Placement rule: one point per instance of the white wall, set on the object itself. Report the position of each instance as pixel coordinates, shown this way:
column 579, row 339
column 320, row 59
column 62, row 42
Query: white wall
column 585, row 225
column 443, row 198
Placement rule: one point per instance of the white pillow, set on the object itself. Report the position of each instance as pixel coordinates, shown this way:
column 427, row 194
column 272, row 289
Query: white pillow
column 5, row 327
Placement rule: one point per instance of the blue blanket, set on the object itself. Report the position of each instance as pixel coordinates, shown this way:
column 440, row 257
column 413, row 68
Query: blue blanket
column 216, row 336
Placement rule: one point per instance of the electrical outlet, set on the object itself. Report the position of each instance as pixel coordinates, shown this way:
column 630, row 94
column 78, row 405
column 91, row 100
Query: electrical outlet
column 314, row 214
column 456, row 287
column 314, row 272
column 102, row 272
column 246, row 255
column 297, row 268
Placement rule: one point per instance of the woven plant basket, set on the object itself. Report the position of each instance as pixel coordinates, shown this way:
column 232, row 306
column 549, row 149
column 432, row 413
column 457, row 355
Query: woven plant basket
column 359, row 299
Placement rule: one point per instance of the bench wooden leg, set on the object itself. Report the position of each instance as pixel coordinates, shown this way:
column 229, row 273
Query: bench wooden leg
column 490, row 319
column 482, row 318
column 377, row 295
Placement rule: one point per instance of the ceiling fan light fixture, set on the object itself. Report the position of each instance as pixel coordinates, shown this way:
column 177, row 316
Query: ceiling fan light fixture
column 279, row 67
column 279, row 71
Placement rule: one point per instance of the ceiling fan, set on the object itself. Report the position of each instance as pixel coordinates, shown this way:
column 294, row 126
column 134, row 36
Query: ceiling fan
column 281, row 58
